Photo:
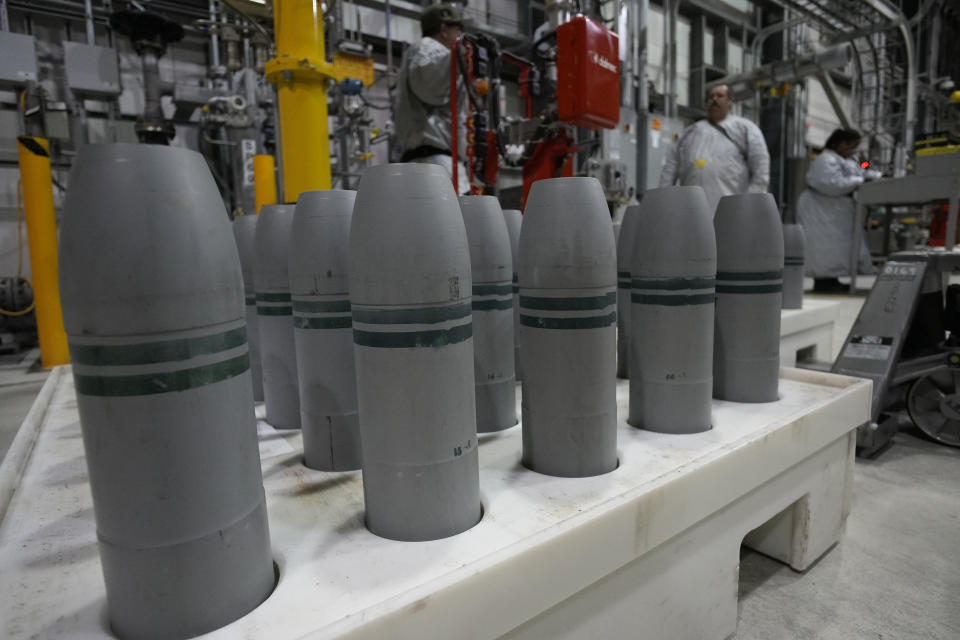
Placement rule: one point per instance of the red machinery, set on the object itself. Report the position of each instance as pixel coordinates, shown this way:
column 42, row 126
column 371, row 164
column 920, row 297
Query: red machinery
column 585, row 93
column 588, row 74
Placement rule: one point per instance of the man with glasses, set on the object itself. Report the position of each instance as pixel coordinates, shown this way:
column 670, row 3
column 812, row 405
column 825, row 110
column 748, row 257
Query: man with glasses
column 723, row 153
column 422, row 114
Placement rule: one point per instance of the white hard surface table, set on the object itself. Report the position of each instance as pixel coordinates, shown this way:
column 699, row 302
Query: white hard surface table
column 542, row 540
column 809, row 329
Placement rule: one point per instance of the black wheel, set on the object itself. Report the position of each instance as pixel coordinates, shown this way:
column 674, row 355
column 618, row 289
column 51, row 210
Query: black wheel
column 933, row 403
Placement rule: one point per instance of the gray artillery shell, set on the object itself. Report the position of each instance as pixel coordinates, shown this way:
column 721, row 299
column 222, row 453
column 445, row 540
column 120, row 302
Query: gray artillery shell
column 671, row 317
column 491, row 264
column 244, row 232
column 410, row 290
column 568, row 297
column 746, row 354
column 319, row 286
column 281, row 392
column 514, row 220
column 153, row 308
column 793, row 251
column 625, row 245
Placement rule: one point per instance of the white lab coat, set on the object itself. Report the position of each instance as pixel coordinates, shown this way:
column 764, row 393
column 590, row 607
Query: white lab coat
column 826, row 211
column 721, row 164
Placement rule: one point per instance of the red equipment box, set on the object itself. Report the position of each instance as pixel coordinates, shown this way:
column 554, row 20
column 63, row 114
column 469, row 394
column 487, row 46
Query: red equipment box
column 588, row 74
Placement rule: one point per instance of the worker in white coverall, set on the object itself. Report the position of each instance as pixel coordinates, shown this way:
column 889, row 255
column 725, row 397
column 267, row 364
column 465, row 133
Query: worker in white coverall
column 723, row 153
column 422, row 113
column 826, row 211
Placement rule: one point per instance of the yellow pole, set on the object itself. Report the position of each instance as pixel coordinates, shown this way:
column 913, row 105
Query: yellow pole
column 264, row 182
column 300, row 72
column 42, row 237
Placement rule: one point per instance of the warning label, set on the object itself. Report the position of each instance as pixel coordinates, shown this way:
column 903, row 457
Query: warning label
column 869, row 347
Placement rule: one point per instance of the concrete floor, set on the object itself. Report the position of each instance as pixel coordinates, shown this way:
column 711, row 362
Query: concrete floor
column 20, row 381
column 891, row 576
column 15, row 401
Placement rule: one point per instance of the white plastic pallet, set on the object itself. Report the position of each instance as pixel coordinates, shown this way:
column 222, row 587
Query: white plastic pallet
column 650, row 550
column 808, row 328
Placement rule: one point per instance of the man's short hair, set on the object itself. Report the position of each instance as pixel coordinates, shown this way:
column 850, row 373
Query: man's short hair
column 437, row 15
column 706, row 96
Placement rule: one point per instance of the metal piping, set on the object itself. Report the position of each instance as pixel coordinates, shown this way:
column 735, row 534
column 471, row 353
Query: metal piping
column 761, row 36
column 336, row 32
column 386, row 21
column 819, row 18
column 214, row 39
column 152, row 109
column 933, row 59
column 899, row 20
column 857, row 88
column 670, row 9
column 774, row 73
column 4, row 19
column 921, row 13
column 768, row 31
column 831, row 90
column 248, row 19
column 628, row 67
column 860, row 74
column 88, row 20
column 639, row 35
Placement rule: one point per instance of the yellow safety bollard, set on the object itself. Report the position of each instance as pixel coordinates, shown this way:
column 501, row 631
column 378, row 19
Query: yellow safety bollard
column 37, row 183
column 264, row 181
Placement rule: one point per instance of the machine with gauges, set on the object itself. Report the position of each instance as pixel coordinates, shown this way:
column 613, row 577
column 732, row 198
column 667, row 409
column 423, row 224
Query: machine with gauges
column 570, row 80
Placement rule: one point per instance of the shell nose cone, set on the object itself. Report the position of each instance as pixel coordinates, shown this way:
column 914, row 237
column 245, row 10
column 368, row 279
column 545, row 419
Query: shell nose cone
column 794, row 240
column 272, row 244
column 319, row 242
column 484, row 208
column 144, row 227
column 675, row 235
column 567, row 239
column 490, row 255
column 245, row 232
column 627, row 237
column 749, row 233
column 331, row 202
column 407, row 230
column 514, row 219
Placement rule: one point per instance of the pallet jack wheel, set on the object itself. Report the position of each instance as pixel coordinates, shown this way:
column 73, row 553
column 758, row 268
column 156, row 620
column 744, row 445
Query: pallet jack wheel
column 933, row 403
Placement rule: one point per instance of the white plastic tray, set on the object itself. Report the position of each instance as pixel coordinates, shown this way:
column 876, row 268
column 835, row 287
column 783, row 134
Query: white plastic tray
column 541, row 540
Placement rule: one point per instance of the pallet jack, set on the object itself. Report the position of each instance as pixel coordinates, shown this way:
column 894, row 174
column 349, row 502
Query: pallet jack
column 907, row 340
